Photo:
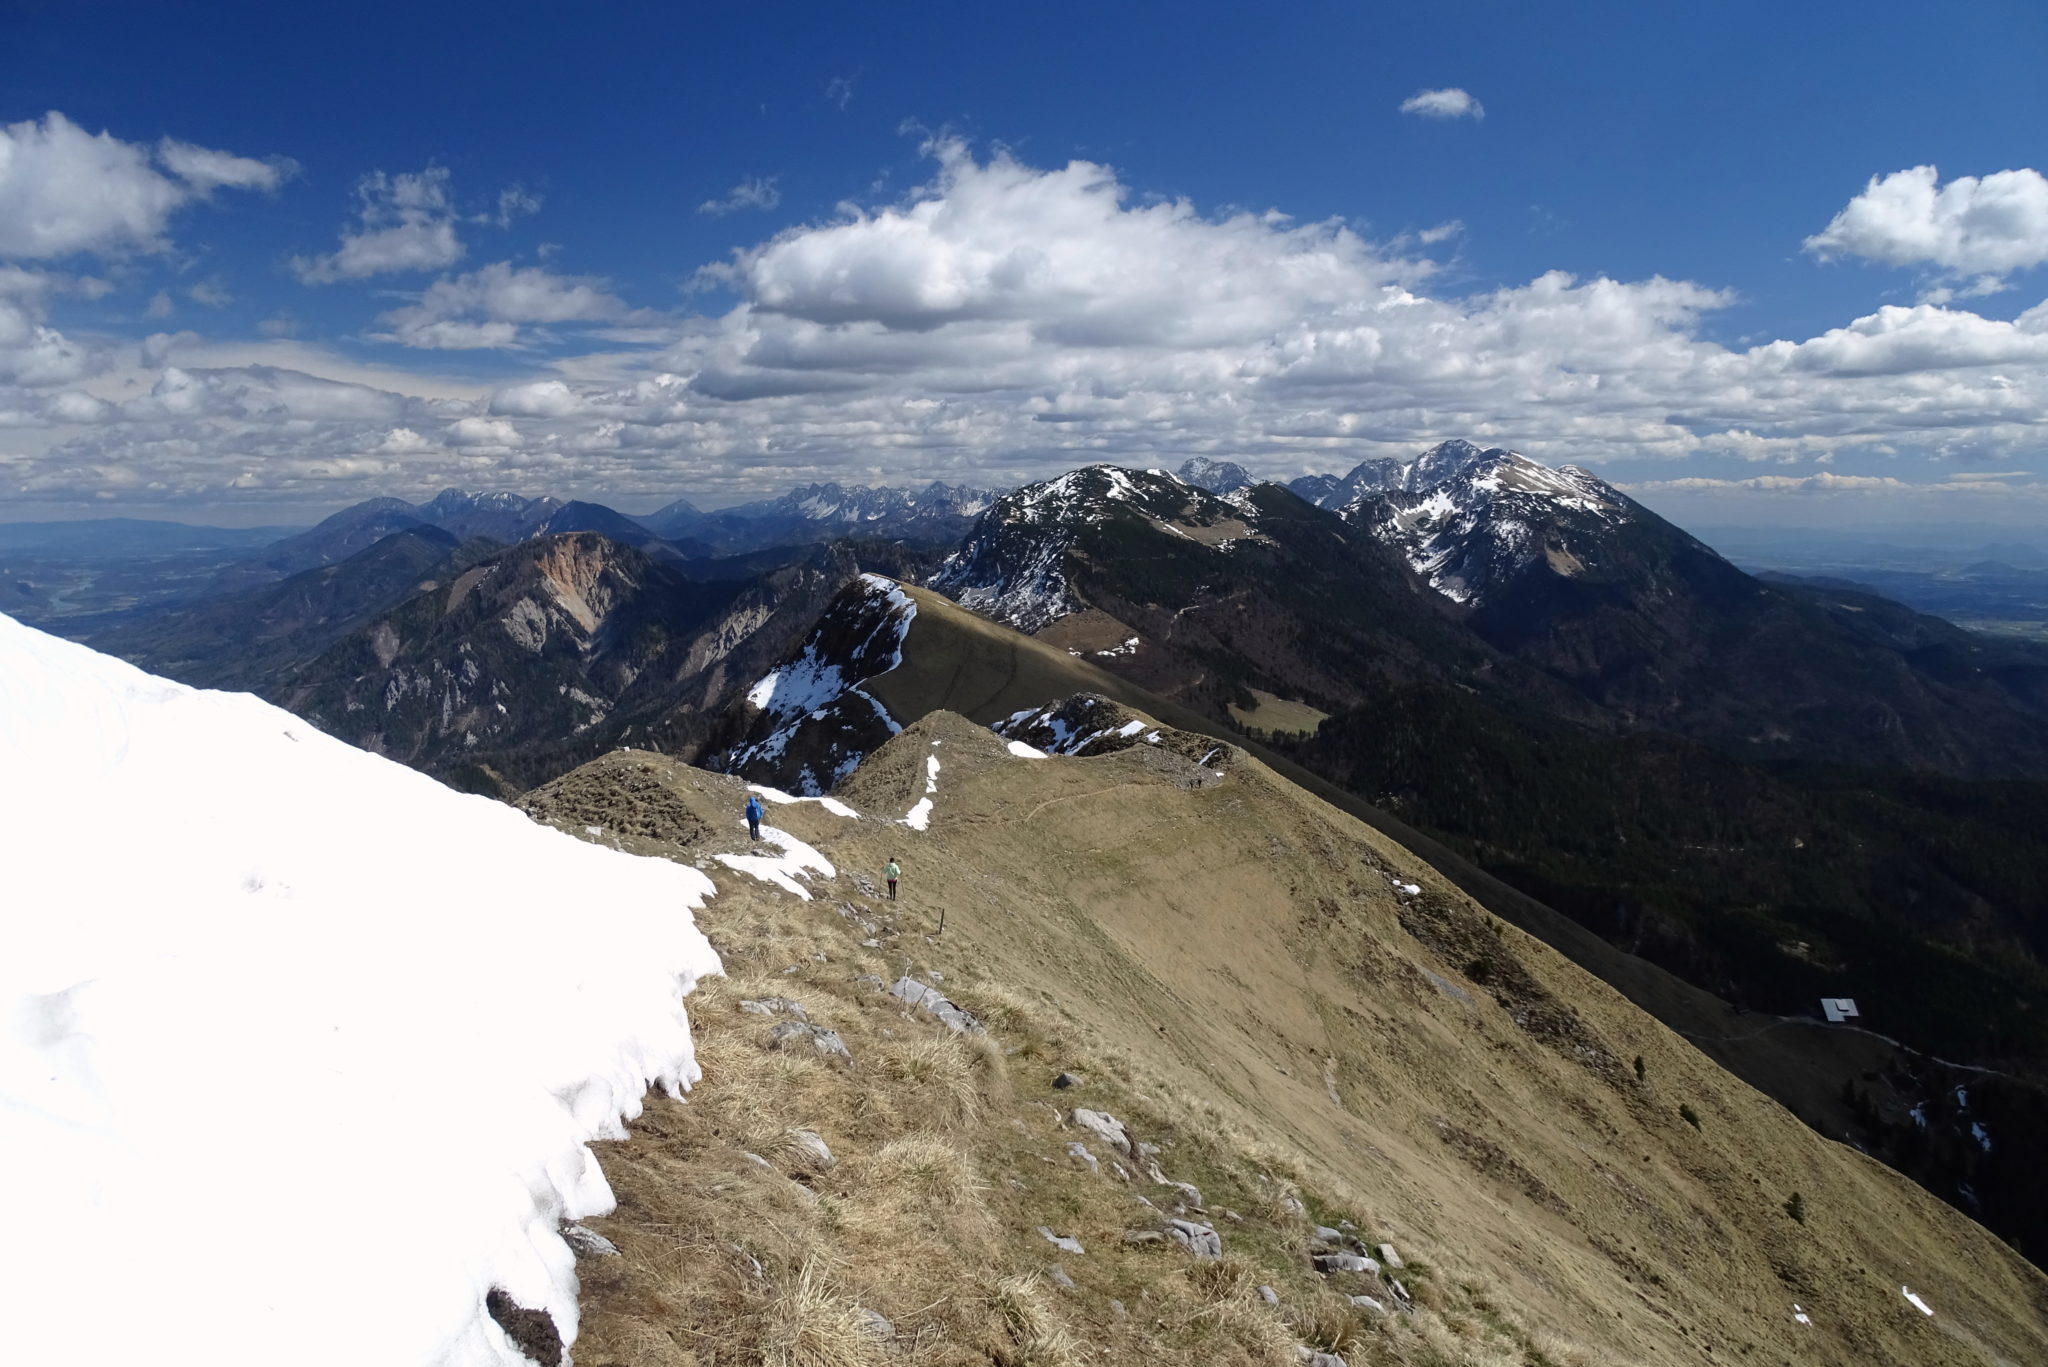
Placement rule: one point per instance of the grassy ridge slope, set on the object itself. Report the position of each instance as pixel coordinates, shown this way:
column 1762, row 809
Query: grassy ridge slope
column 1236, row 968
column 958, row 661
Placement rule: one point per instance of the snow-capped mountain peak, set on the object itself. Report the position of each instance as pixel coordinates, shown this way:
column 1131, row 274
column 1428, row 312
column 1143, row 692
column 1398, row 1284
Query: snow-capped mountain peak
column 1013, row 566
column 1466, row 519
column 1217, row 476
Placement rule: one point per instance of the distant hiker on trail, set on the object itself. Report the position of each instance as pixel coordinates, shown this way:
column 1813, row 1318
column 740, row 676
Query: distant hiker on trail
column 892, row 873
column 754, row 817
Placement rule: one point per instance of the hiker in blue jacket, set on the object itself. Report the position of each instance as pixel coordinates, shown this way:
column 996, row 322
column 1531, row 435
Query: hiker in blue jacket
column 754, row 817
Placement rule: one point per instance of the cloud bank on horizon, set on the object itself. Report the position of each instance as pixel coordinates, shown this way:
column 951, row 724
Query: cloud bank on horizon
column 998, row 322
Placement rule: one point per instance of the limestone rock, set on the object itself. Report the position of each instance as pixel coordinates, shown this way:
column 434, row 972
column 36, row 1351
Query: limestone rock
column 1061, row 1241
column 1079, row 1153
column 1330, row 1264
column 1268, row 1295
column 874, row 1325
column 791, row 1034
column 1388, row 1256
column 1057, row 1275
column 775, row 1006
column 588, row 1243
column 1066, row 1080
column 1200, row 1240
column 812, row 1146
column 1143, row 1236
column 1327, row 1237
column 1368, row 1303
column 1107, row 1126
column 911, row 992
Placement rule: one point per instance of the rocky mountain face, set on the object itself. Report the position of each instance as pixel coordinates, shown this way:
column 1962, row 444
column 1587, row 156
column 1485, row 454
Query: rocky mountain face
column 1217, row 476
column 543, row 654
column 1207, row 599
column 811, row 720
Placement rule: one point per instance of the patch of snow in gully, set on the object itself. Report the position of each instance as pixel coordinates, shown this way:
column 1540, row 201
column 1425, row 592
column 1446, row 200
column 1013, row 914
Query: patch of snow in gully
column 299, row 1049
column 919, row 818
column 1023, row 751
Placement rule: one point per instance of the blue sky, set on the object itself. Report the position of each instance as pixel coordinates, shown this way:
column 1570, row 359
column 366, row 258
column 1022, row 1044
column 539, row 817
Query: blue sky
column 254, row 263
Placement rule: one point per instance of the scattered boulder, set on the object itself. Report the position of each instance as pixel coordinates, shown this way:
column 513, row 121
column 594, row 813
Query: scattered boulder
column 1057, row 1275
column 1388, row 1256
column 911, row 992
column 1200, row 1240
column 796, row 1033
column 1066, row 1080
column 1079, row 1153
column 1191, row 1193
column 1329, row 1264
column 1268, row 1295
column 586, row 1242
column 1315, row 1359
column 1107, row 1126
column 1368, row 1303
column 775, row 1006
column 875, row 1325
column 1327, row 1237
column 809, row 1144
column 1061, row 1241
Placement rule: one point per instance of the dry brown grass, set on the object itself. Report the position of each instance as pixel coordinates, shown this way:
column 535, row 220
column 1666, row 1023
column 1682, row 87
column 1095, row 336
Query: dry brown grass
column 1035, row 1334
column 813, row 1323
column 952, row 1150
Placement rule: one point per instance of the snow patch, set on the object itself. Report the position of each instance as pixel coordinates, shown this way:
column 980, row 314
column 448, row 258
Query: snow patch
column 797, row 860
column 1023, row 751
column 290, row 950
column 780, row 798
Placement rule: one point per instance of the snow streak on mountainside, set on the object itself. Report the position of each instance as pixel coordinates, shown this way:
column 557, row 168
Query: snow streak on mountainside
column 1467, row 520
column 301, row 1050
column 814, row 722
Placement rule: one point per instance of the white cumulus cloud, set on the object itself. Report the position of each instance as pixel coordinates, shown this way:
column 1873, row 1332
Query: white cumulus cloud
column 487, row 307
column 1449, row 103
column 64, row 190
column 404, row 222
column 1987, row 226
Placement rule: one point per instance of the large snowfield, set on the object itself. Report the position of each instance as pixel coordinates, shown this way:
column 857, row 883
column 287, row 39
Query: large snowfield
column 300, row 1051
